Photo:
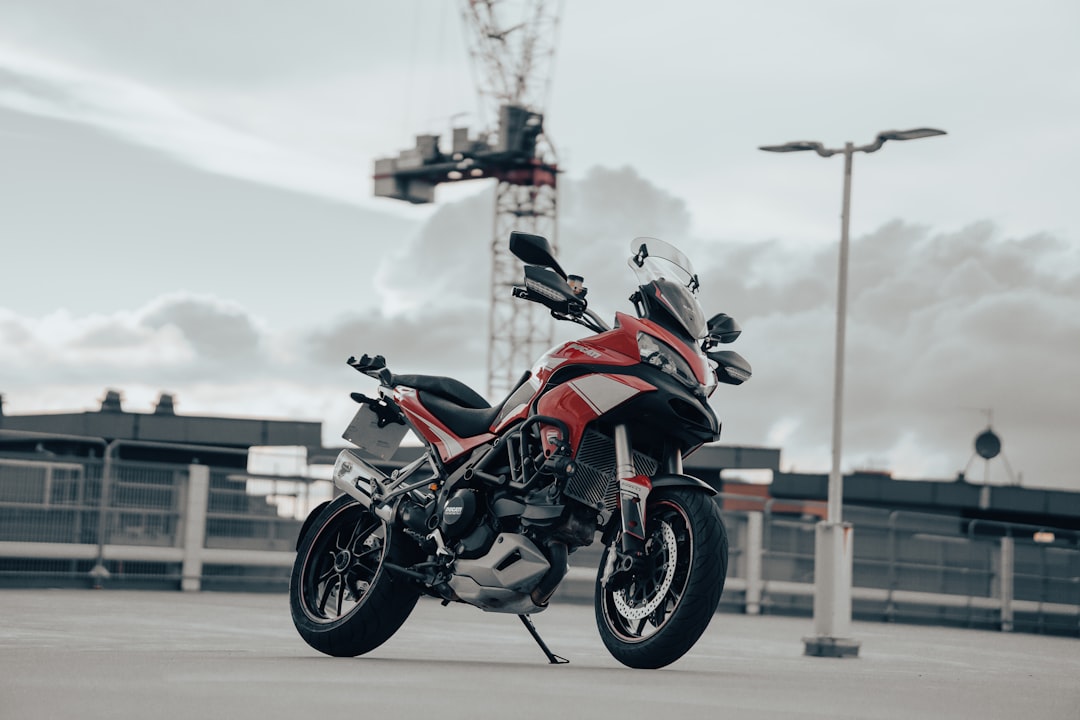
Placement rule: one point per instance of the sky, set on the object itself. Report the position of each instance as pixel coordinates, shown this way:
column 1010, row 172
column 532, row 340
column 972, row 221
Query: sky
column 186, row 207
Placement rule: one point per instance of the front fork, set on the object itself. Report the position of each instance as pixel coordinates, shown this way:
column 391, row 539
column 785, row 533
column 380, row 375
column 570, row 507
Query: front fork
column 634, row 491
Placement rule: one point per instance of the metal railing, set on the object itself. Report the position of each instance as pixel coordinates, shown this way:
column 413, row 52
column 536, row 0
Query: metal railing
column 196, row 527
column 910, row 566
column 159, row 525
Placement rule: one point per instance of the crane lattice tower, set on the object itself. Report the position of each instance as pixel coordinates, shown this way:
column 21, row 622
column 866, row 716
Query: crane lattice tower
column 512, row 44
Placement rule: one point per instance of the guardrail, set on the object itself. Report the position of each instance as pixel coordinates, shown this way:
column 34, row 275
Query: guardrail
column 138, row 524
column 909, row 566
column 195, row 527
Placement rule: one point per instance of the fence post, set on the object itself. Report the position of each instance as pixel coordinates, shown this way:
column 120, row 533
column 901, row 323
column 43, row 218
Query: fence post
column 99, row 572
column 752, row 552
column 890, row 604
column 1005, row 581
column 198, row 498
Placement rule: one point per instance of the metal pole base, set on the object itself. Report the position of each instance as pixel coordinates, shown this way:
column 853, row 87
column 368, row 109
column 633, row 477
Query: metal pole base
column 833, row 558
column 831, row 647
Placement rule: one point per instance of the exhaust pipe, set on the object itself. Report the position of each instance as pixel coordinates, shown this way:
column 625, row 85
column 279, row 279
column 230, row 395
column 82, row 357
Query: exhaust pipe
column 550, row 581
column 356, row 478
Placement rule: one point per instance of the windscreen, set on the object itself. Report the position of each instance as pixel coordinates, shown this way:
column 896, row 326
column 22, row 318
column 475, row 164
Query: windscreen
column 668, row 284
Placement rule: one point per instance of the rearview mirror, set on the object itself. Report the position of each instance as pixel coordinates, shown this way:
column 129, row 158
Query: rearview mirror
column 723, row 328
column 534, row 250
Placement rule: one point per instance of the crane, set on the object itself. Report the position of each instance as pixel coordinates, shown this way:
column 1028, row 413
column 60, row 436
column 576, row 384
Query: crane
column 512, row 44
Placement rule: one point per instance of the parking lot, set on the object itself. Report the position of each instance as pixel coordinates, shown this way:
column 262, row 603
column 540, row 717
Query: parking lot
column 125, row 654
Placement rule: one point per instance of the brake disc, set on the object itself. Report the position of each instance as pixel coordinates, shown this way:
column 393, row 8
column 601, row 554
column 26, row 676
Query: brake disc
column 636, row 612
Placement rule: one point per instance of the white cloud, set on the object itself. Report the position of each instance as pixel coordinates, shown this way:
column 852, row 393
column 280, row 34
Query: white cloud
column 941, row 323
column 62, row 343
column 153, row 118
column 167, row 338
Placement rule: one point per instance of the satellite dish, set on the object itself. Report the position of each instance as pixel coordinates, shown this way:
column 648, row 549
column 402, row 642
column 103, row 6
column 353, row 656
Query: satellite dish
column 988, row 444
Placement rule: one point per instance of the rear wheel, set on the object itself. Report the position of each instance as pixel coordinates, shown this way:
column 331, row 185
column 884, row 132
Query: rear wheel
column 344, row 602
column 653, row 617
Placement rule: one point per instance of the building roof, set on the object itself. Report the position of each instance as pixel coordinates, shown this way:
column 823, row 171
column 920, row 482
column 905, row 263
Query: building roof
column 163, row 425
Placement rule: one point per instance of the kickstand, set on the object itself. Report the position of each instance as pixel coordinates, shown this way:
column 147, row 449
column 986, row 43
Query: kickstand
column 552, row 657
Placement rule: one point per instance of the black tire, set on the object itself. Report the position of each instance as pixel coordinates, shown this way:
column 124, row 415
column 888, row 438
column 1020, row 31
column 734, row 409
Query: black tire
column 654, row 619
column 344, row 601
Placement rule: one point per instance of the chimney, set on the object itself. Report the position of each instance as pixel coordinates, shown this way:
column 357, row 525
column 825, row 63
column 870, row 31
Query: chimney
column 166, row 405
column 111, row 403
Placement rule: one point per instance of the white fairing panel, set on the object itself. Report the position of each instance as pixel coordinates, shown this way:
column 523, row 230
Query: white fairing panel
column 602, row 392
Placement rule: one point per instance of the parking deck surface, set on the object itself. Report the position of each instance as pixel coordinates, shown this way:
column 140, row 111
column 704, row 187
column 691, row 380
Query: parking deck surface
column 120, row 654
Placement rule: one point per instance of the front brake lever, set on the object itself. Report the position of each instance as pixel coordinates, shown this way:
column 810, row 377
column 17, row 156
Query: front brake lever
column 366, row 363
column 373, row 367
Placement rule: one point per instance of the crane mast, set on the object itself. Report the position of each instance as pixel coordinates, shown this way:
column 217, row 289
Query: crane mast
column 512, row 45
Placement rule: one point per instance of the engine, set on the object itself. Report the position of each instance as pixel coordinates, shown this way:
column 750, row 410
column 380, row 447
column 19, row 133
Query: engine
column 499, row 531
column 465, row 524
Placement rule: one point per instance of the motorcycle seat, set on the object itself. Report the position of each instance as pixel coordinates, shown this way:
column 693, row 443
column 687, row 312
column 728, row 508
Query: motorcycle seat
column 446, row 388
column 463, row 421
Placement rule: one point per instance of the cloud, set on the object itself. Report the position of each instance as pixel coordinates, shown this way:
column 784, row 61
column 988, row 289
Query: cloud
column 599, row 215
column 941, row 325
column 215, row 330
column 449, row 258
column 619, row 203
column 175, row 337
column 156, row 119
column 447, row 340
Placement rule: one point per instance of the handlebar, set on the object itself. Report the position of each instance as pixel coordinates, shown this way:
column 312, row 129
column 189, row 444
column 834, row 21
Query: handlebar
column 579, row 312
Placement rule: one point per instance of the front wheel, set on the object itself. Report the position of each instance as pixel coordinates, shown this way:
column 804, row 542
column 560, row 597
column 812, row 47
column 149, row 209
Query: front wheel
column 344, row 601
column 652, row 616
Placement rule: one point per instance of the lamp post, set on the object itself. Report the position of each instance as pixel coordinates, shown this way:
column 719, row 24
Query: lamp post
column 833, row 549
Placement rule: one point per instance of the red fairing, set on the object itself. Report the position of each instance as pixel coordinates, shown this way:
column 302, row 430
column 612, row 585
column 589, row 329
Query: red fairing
column 576, row 402
column 433, row 431
column 579, row 401
column 571, row 402
column 615, row 348
column 634, row 325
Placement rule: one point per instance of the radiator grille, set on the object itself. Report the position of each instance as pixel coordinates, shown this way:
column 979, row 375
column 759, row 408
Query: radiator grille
column 595, row 483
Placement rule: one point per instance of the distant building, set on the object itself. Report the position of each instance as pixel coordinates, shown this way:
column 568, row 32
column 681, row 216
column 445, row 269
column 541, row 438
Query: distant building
column 182, row 510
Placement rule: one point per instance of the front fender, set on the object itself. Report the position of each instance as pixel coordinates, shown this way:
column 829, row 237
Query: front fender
column 687, row 481
column 658, row 482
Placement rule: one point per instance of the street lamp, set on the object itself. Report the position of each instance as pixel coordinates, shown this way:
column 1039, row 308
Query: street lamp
column 833, row 550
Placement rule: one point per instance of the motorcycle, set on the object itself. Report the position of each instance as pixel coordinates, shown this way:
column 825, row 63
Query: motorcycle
column 590, row 442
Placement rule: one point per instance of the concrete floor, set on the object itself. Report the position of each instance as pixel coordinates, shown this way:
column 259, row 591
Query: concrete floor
column 160, row 656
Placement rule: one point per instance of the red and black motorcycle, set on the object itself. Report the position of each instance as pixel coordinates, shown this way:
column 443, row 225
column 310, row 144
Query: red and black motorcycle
column 591, row 441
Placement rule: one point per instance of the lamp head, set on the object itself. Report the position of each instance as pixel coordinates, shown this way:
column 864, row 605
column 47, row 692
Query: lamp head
column 795, row 146
column 914, row 134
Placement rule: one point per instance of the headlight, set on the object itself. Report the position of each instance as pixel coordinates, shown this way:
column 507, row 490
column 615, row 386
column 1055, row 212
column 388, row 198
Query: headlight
column 663, row 356
column 710, row 386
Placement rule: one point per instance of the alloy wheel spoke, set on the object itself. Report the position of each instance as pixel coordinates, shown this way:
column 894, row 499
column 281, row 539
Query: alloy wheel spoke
column 338, row 538
column 357, row 533
column 325, row 597
column 370, row 571
column 369, row 551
